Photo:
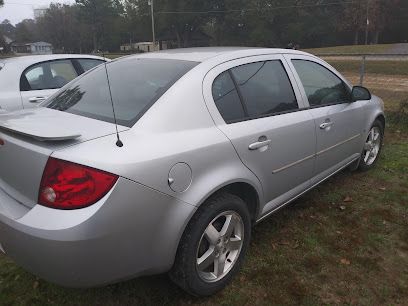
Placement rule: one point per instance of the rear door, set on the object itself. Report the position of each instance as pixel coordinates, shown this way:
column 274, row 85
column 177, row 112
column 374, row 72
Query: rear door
column 338, row 121
column 41, row 80
column 256, row 104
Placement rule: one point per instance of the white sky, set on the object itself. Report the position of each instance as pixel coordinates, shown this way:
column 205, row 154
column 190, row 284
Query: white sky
column 17, row 10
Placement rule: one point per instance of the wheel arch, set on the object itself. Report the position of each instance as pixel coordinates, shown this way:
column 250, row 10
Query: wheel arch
column 243, row 190
column 381, row 118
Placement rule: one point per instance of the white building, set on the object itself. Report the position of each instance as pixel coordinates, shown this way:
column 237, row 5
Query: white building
column 39, row 47
column 146, row 46
column 40, row 12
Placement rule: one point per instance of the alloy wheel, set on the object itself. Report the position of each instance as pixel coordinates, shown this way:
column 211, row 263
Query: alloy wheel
column 220, row 246
column 372, row 146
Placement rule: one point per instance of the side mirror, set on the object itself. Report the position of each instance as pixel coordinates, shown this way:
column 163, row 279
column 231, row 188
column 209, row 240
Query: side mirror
column 360, row 93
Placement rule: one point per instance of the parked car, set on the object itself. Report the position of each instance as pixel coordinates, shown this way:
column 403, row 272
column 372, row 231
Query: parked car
column 214, row 141
column 26, row 81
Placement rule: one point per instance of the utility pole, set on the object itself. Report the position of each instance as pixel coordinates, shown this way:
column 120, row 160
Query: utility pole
column 367, row 22
column 151, row 3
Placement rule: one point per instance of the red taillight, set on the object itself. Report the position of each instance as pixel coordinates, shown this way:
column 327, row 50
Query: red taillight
column 67, row 185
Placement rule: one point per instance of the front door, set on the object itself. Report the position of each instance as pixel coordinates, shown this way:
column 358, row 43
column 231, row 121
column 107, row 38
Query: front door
column 263, row 116
column 338, row 120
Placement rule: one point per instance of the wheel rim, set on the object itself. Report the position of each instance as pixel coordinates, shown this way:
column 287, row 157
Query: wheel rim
column 372, row 146
column 220, row 246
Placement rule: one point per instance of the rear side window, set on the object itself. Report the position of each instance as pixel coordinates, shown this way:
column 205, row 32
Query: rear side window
column 226, row 98
column 48, row 75
column 265, row 88
column 322, row 86
column 135, row 85
column 254, row 90
column 88, row 64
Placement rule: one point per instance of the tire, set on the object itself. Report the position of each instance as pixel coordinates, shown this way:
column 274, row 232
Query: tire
column 195, row 244
column 368, row 160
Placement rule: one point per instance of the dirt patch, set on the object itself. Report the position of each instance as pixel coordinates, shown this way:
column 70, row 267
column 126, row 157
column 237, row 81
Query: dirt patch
column 379, row 81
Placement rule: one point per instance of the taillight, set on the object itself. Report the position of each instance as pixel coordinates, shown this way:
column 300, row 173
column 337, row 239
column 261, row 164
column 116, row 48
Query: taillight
column 66, row 185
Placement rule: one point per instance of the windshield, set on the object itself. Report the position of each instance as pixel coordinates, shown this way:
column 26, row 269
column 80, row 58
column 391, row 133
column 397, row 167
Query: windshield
column 136, row 83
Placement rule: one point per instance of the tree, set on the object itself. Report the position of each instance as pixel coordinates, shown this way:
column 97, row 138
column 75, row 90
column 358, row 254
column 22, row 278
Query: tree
column 26, row 31
column 98, row 14
column 1, row 3
column 380, row 15
column 61, row 27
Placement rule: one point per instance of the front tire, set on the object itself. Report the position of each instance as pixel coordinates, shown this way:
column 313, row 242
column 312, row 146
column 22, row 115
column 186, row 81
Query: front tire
column 372, row 146
column 213, row 245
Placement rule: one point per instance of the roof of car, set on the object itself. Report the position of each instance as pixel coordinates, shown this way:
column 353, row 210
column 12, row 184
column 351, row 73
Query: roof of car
column 31, row 59
column 204, row 53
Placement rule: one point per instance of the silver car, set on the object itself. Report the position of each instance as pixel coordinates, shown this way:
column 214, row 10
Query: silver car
column 209, row 142
column 26, row 81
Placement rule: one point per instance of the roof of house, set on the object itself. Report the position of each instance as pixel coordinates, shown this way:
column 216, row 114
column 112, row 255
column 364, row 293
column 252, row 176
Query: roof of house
column 37, row 43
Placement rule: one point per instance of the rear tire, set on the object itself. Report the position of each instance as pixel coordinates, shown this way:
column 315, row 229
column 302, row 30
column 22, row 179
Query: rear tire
column 213, row 245
column 372, row 147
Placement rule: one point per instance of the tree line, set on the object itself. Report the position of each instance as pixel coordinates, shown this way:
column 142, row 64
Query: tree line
column 90, row 25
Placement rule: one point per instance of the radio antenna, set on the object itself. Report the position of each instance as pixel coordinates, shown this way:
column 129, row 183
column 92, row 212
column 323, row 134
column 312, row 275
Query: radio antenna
column 119, row 143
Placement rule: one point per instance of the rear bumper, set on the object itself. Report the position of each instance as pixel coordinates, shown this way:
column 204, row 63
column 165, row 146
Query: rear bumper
column 132, row 231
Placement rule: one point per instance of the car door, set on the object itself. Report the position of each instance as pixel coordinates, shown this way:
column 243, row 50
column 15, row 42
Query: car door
column 41, row 80
column 339, row 121
column 256, row 104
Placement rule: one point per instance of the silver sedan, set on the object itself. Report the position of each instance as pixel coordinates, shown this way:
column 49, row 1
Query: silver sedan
column 163, row 162
column 26, row 81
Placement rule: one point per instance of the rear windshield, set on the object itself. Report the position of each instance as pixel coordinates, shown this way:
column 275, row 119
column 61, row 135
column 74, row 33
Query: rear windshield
column 135, row 83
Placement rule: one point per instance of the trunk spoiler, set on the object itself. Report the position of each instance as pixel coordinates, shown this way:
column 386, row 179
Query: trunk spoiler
column 37, row 129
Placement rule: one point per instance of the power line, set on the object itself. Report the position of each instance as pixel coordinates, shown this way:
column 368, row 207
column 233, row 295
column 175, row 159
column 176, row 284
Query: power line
column 255, row 9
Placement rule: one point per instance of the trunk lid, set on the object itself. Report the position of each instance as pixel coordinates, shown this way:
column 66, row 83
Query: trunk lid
column 28, row 138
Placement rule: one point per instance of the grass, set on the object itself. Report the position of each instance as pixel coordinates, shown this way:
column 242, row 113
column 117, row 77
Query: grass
column 321, row 250
column 352, row 49
column 377, row 67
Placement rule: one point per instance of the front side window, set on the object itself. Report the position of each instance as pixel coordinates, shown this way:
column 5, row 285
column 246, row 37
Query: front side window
column 48, row 75
column 135, row 85
column 322, row 86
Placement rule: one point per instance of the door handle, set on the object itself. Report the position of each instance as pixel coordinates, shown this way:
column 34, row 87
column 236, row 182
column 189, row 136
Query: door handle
column 259, row 144
column 325, row 125
column 36, row 99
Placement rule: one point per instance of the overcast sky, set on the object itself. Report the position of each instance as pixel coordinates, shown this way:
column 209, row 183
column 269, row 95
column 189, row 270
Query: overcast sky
column 17, row 10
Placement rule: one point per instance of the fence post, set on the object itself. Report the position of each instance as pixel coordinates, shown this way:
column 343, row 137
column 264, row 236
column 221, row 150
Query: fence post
column 362, row 70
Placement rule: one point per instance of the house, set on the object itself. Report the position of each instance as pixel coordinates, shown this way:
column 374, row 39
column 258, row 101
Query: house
column 40, row 47
column 144, row 46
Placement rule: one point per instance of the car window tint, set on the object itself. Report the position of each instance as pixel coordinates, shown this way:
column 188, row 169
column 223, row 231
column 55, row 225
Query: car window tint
column 322, row 86
column 265, row 88
column 48, row 75
column 226, row 98
column 88, row 64
column 135, row 85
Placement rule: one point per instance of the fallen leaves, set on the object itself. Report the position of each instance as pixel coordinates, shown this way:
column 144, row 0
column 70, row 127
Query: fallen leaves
column 345, row 261
column 348, row 199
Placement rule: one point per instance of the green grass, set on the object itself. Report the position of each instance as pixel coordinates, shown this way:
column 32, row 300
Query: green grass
column 377, row 67
column 352, row 49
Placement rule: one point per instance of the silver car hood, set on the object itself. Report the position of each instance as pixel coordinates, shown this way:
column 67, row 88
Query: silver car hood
column 29, row 137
